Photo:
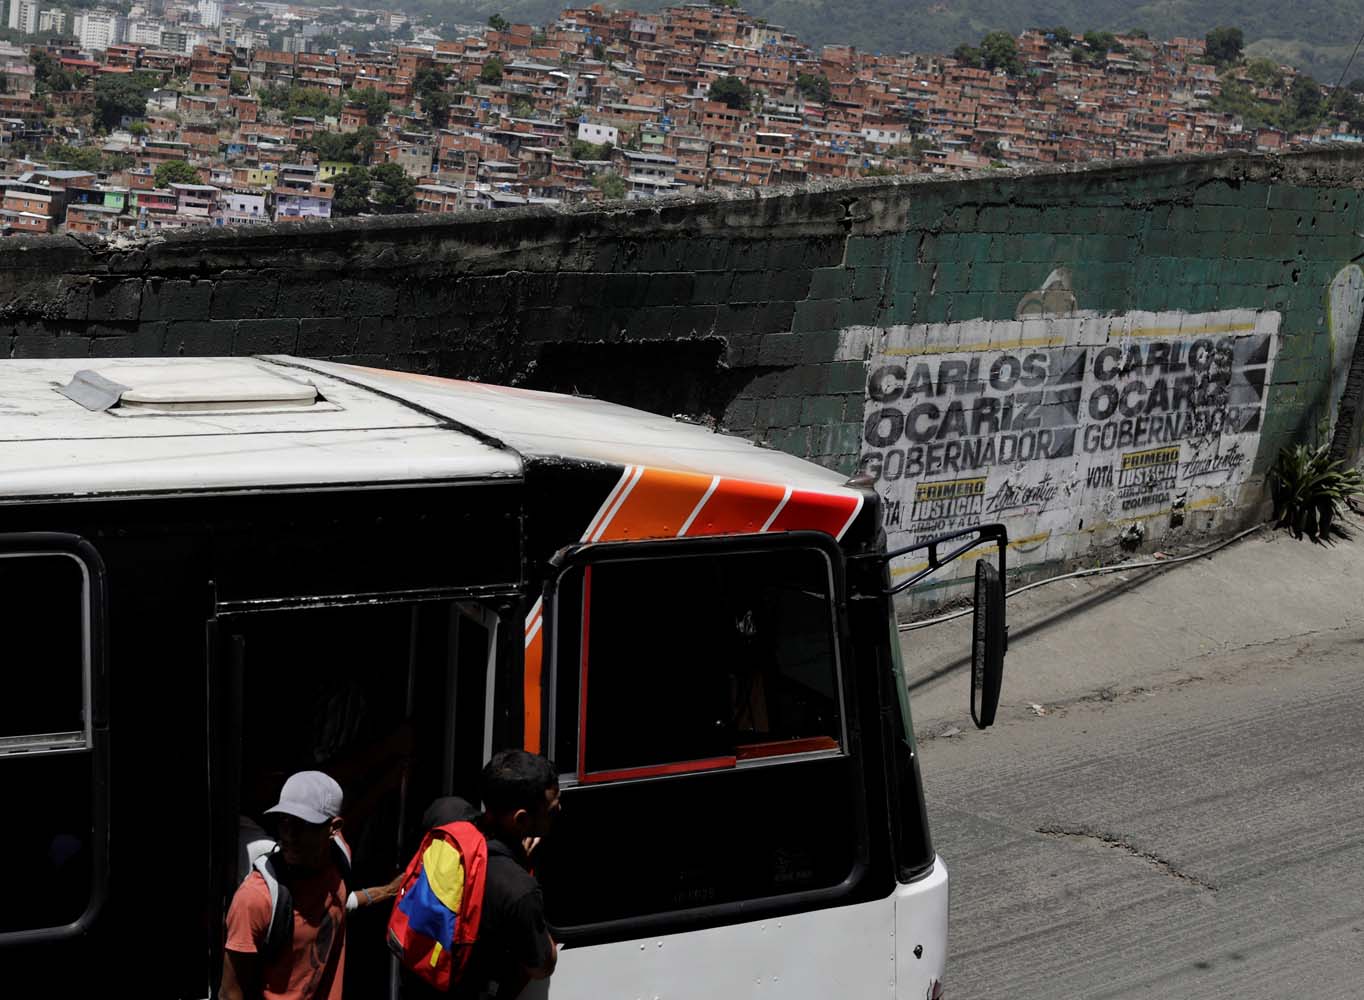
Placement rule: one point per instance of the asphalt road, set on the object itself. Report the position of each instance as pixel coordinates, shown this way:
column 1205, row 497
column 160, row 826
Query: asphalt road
column 1198, row 833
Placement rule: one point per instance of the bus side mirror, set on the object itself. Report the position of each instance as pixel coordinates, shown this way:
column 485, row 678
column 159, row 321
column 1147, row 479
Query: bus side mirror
column 989, row 643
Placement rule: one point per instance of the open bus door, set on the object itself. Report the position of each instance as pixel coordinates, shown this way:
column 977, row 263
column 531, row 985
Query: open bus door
column 395, row 700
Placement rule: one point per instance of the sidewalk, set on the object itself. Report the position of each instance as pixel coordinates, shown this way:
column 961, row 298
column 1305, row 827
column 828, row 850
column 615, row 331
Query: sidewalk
column 1101, row 636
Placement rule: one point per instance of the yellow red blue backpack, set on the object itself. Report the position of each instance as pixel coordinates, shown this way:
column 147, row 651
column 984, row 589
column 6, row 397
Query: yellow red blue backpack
column 435, row 920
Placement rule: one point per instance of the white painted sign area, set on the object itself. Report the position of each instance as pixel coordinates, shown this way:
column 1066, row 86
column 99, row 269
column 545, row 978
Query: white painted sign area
column 1061, row 425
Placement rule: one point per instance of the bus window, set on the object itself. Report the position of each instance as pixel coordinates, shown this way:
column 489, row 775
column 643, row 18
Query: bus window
column 699, row 691
column 700, row 662
column 45, row 739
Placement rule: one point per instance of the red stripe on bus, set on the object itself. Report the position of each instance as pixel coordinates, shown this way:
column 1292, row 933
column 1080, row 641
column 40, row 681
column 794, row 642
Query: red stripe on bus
column 736, row 507
column 807, row 510
column 658, row 770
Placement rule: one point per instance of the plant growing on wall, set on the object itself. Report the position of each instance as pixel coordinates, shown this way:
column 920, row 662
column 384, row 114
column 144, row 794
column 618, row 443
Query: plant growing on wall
column 1308, row 489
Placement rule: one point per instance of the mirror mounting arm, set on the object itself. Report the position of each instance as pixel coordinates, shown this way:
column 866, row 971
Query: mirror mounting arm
column 978, row 535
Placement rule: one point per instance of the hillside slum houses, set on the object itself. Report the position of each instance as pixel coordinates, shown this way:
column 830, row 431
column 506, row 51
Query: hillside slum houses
column 599, row 104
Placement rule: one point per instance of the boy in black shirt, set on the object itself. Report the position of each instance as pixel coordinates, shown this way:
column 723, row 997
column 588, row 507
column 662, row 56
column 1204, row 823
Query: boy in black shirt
column 520, row 793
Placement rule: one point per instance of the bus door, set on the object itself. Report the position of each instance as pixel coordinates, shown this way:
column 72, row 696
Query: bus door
column 394, row 700
column 703, row 721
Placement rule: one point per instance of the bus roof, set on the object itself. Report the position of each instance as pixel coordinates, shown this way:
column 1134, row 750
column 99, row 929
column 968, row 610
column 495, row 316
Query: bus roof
column 143, row 425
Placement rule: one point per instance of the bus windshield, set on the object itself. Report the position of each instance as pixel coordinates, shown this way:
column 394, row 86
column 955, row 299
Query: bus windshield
column 701, row 660
column 702, row 683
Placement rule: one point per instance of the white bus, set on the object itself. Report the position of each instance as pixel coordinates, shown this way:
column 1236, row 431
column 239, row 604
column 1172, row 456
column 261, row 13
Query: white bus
column 214, row 572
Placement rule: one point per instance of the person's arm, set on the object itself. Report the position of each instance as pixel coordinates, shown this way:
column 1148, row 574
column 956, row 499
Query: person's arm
column 375, row 893
column 546, row 970
column 535, row 950
column 248, row 919
column 241, row 976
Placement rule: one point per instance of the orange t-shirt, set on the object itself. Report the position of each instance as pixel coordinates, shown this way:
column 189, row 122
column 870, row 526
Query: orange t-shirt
column 314, row 967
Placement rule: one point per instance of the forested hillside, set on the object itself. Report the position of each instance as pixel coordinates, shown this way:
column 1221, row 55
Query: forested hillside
column 1317, row 36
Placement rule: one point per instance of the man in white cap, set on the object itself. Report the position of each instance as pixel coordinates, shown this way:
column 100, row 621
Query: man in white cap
column 280, row 952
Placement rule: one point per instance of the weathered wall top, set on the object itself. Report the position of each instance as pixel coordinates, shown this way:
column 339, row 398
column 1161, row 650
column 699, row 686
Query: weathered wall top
column 1077, row 350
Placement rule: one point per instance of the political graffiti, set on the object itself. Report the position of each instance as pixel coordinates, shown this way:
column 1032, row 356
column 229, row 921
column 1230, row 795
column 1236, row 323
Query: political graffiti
column 1051, row 421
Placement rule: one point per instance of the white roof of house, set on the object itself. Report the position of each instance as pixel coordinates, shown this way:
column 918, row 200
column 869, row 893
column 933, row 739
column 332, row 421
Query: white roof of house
column 241, row 423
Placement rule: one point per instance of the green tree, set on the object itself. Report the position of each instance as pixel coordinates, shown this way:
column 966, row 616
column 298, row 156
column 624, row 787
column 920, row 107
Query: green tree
column 175, row 172
column 238, row 84
column 117, row 95
column 394, row 192
column 1265, row 72
column 76, row 157
column 365, row 137
column 65, row 79
column 731, row 91
column 611, row 185
column 1061, row 36
column 491, row 71
column 580, row 149
column 428, row 80
column 1305, row 106
column 43, row 66
column 1348, row 107
column 312, row 102
column 429, row 86
column 1223, row 45
column 307, row 102
column 436, row 107
column 336, row 146
column 350, row 192
column 498, row 23
column 967, row 55
column 49, row 77
column 1237, row 99
column 522, row 108
column 375, row 103
column 1102, row 41
column 273, row 97
column 998, row 50
column 814, row 86
column 1357, row 85
column 138, row 128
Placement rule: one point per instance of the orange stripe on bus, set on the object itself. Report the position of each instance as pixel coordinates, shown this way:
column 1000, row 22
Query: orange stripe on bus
column 736, row 507
column 530, row 736
column 610, row 500
column 657, row 507
column 807, row 510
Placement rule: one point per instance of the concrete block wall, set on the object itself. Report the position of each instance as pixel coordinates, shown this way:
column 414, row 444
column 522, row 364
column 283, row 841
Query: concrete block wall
column 820, row 321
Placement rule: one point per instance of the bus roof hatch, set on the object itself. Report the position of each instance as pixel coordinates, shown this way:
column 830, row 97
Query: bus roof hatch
column 197, row 386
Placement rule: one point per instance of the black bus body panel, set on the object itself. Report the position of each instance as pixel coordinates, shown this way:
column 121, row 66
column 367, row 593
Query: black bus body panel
column 201, row 587
column 173, row 561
